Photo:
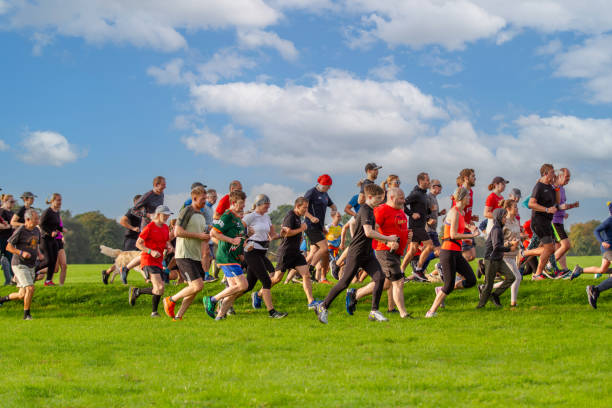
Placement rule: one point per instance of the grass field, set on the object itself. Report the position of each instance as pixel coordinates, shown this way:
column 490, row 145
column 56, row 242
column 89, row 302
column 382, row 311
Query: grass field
column 86, row 347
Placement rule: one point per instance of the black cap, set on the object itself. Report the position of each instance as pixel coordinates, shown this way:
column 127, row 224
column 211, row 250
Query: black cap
column 197, row 184
column 372, row 166
column 499, row 179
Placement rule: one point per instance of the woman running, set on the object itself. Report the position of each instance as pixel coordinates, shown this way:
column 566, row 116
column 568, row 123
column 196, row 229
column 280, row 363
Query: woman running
column 51, row 227
column 6, row 230
column 451, row 258
column 18, row 218
column 62, row 264
column 512, row 232
column 259, row 267
column 497, row 187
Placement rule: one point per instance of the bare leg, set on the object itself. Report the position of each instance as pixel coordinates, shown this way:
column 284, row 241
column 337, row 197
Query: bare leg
column 398, row 296
column 547, row 250
column 306, row 282
column 605, row 264
column 61, row 264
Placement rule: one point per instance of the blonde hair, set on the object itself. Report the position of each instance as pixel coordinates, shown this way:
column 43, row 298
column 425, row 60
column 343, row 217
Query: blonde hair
column 6, row 197
column 52, row 198
column 385, row 184
column 460, row 193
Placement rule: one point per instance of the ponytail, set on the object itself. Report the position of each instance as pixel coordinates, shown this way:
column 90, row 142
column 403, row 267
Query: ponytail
column 491, row 187
column 52, row 198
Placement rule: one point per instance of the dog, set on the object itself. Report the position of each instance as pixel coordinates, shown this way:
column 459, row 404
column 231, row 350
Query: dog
column 122, row 258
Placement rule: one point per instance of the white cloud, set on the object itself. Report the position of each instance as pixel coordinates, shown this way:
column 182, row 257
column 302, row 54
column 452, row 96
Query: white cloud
column 255, row 38
column 153, row 24
column 3, row 146
column 226, row 64
column 279, row 194
column 41, row 40
column 551, row 48
column 441, row 65
column 170, row 74
column 48, row 148
column 386, row 70
column 231, row 146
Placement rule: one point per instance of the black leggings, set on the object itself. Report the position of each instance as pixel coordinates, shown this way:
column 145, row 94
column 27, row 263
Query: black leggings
column 371, row 266
column 258, row 267
column 453, row 262
column 51, row 250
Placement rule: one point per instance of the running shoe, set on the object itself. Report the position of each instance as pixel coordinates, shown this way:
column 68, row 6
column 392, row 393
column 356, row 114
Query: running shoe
column 325, row 282
column 376, row 316
column 49, row 283
column 104, row 277
column 210, row 279
column 209, row 305
column 419, row 276
column 548, row 274
column 592, row 295
column 597, row 276
column 414, row 264
column 278, row 315
column 133, row 295
column 255, row 300
column 576, row 272
column 28, row 317
column 540, row 277
column 351, row 301
column 231, row 311
column 124, row 274
column 430, row 314
column 321, row 313
column 394, row 310
column 335, row 270
column 438, row 290
column 220, row 318
column 169, row 306
column 313, row 305
column 155, row 314
column 480, row 289
column 495, row 299
column 177, row 319
column 564, row 274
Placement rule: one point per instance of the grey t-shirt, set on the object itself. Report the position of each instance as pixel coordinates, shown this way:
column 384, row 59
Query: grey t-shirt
column 432, row 202
column 191, row 248
column 27, row 241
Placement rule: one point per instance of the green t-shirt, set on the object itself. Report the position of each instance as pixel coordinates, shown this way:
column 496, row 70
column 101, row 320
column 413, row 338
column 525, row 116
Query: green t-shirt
column 191, row 248
column 232, row 227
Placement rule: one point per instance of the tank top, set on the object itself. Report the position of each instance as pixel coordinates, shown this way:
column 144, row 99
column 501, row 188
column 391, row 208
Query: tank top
column 455, row 244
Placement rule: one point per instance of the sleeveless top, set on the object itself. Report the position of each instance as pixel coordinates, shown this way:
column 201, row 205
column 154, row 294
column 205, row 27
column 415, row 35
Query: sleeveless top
column 452, row 244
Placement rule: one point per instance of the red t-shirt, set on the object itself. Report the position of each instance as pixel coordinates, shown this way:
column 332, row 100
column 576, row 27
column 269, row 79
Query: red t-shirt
column 493, row 201
column 223, row 205
column 155, row 238
column 391, row 222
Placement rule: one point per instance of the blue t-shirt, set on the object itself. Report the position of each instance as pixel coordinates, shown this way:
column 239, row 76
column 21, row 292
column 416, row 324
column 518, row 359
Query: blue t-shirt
column 317, row 206
column 354, row 203
column 603, row 233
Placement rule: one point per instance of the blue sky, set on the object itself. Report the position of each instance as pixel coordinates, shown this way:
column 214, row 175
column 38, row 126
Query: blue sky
column 99, row 97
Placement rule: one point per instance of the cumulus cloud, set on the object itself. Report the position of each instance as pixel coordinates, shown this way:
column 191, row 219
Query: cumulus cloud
column 48, row 148
column 170, row 73
column 441, row 65
column 3, row 146
column 256, row 38
column 278, row 193
column 225, row 64
column 386, row 70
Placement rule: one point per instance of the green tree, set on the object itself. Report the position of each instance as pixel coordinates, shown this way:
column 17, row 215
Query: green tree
column 77, row 240
column 100, row 231
column 277, row 217
column 583, row 240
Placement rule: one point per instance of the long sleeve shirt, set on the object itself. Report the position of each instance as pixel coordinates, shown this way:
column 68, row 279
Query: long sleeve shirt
column 495, row 248
column 417, row 202
column 603, row 233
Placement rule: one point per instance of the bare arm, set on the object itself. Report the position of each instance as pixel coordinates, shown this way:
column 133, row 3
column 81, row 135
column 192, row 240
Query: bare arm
column 140, row 244
column 183, row 233
column 215, row 233
column 488, row 212
column 125, row 224
column 15, row 221
column 454, row 234
column 287, row 232
column 533, row 204
column 349, row 210
column 311, row 217
column 372, row 233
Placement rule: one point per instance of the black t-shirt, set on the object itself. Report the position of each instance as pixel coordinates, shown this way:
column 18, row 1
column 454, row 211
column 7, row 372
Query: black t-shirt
column 147, row 205
column 27, row 241
column 317, row 206
column 21, row 214
column 545, row 196
column 7, row 216
column 50, row 221
column 134, row 221
column 361, row 245
column 291, row 244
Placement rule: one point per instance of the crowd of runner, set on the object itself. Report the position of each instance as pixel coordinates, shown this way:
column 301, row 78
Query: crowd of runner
column 389, row 231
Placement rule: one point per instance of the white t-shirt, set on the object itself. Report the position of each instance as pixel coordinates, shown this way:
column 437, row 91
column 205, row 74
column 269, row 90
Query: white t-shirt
column 261, row 224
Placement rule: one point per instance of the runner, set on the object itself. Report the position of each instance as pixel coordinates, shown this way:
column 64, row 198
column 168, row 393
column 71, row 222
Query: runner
column 560, row 216
column 289, row 252
column 131, row 223
column 512, row 232
column 152, row 241
column 334, row 239
column 543, row 203
column 230, row 231
column 19, row 217
column 211, row 200
column 467, row 179
column 418, row 211
column 371, row 170
column 318, row 201
column 497, row 187
column 23, row 244
column 145, row 208
column 432, row 223
column 224, row 203
column 191, row 252
column 50, row 227
column 6, row 230
column 361, row 255
column 391, row 220
column 259, row 266
column 494, row 261
column 603, row 234
column 451, row 258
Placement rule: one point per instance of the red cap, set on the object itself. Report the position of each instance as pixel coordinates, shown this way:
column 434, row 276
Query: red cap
column 324, row 180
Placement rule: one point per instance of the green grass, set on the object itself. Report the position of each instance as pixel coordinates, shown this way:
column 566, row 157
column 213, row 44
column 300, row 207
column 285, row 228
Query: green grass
column 86, row 347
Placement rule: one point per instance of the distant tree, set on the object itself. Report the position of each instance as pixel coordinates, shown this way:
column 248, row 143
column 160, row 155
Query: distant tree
column 583, row 240
column 100, row 231
column 77, row 240
column 277, row 217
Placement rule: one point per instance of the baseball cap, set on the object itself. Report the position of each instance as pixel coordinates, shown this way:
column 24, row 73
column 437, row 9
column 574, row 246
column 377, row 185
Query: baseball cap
column 324, row 180
column 197, row 184
column 516, row 192
column 163, row 209
column 372, row 166
column 499, row 180
column 28, row 194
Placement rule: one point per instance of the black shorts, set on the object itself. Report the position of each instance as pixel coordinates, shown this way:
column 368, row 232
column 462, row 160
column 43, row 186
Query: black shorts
column 391, row 265
column 560, row 228
column 129, row 244
column 290, row 261
column 190, row 269
column 419, row 234
column 152, row 270
column 543, row 229
column 435, row 238
column 315, row 235
column 60, row 244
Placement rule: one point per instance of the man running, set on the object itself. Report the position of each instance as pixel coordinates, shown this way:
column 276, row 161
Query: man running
column 560, row 216
column 224, row 203
column 361, row 255
column 417, row 209
column 432, row 222
column 23, row 244
column 603, row 233
column 191, row 252
column 371, row 170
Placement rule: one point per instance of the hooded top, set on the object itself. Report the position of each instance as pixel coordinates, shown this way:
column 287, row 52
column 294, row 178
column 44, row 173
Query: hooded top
column 603, row 232
column 495, row 242
column 417, row 202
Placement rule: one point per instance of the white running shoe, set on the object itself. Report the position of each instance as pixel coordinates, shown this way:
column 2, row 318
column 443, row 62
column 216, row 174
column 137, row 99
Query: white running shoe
column 430, row 314
column 321, row 313
column 376, row 316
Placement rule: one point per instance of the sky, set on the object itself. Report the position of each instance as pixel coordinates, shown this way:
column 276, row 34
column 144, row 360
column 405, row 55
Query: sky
column 99, row 97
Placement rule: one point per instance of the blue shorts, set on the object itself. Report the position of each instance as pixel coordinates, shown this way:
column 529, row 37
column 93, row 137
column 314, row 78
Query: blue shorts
column 231, row 270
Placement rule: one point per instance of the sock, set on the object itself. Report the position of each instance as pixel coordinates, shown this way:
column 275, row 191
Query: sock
column 428, row 260
column 213, row 300
column 155, row 302
column 271, row 311
column 172, row 300
column 145, row 291
column 26, row 313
